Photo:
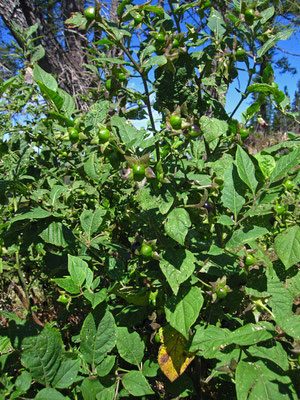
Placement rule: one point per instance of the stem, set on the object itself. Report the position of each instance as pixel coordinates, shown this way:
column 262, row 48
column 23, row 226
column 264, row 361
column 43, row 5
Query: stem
column 244, row 96
column 23, row 282
column 175, row 16
column 147, row 100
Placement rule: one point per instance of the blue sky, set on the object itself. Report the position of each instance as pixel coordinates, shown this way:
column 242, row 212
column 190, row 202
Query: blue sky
column 292, row 45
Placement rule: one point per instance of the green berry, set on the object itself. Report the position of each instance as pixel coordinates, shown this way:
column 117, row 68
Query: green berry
column 138, row 172
column 176, row 122
column 249, row 260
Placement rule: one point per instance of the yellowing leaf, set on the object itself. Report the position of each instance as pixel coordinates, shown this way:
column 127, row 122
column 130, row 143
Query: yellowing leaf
column 172, row 358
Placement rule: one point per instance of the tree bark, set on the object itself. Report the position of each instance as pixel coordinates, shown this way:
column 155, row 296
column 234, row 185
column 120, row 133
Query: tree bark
column 63, row 46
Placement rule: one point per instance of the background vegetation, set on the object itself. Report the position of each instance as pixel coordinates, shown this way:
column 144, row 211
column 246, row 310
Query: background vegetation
column 160, row 262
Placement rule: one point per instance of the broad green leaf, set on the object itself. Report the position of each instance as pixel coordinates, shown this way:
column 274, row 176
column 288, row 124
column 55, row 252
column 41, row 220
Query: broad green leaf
column 61, row 118
column 31, row 30
column 92, row 167
column 95, row 298
column 77, row 269
column 136, row 384
column 246, row 169
column 250, row 334
column 41, row 354
column 128, row 134
column 282, row 35
column 51, row 95
column 216, row 24
column 257, row 379
column 156, row 60
column 285, row 164
column 177, row 224
column 37, row 213
column 58, row 234
column 212, row 128
column 183, row 310
column 266, row 164
column 37, row 53
column 68, row 285
column 91, row 220
column 23, row 381
column 96, row 115
column 49, row 393
column 244, row 235
column 68, row 105
column 231, row 193
column 130, row 346
column 56, row 192
column 207, row 340
column 177, row 266
column 287, row 246
column 281, row 301
column 66, row 374
column 106, row 366
column 46, row 79
column 98, row 336
column 98, row 388
column 272, row 350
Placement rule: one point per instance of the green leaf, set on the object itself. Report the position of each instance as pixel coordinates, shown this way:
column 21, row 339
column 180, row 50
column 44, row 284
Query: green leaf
column 262, row 379
column 96, row 298
column 68, row 105
column 128, row 134
column 183, row 310
column 212, row 128
column 37, row 53
column 96, row 115
column 49, row 393
column 43, row 77
column 51, row 95
column 66, row 374
column 91, row 220
column 285, row 164
column 5, row 85
column 56, row 192
column 41, row 354
column 136, row 384
column 106, row 366
column 250, row 334
column 231, row 193
column 281, row 302
column 61, row 118
column 177, row 224
column 246, row 169
column 216, row 24
column 156, row 60
column 177, row 266
column 282, row 35
column 272, row 350
column 68, row 285
column 77, row 269
column 92, row 167
column 98, row 336
column 244, row 235
column 287, row 246
column 130, row 346
column 23, row 381
column 37, row 213
column 57, row 234
column 266, row 163
column 207, row 340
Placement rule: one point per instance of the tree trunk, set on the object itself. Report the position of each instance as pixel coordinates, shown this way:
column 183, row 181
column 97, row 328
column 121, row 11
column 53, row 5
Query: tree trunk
column 64, row 54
